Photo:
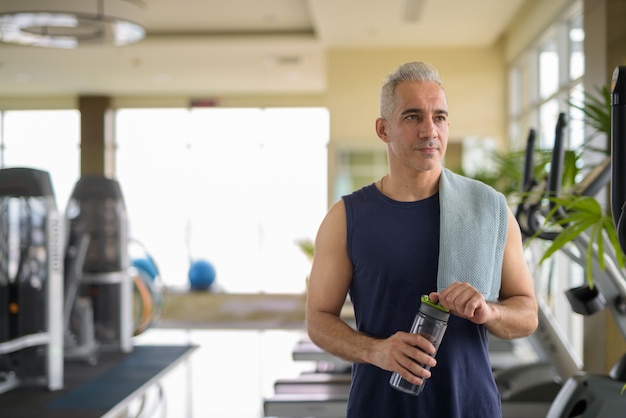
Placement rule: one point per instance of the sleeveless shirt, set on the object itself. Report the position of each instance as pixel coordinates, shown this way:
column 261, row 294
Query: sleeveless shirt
column 394, row 248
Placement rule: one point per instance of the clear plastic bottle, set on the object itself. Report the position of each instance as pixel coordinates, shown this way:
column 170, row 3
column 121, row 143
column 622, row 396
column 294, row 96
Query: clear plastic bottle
column 431, row 322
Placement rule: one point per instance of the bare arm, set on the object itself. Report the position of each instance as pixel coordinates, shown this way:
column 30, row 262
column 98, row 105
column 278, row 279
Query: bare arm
column 515, row 313
column 328, row 287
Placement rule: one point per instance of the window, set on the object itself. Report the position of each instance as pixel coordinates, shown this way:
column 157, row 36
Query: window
column 357, row 168
column 576, row 53
column 236, row 187
column 548, row 68
column 544, row 79
column 55, row 135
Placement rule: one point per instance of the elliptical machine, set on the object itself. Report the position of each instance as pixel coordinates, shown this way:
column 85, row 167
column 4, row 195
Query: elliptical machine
column 593, row 395
column 589, row 395
column 528, row 389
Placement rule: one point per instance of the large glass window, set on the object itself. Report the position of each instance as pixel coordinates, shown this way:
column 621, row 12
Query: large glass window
column 576, row 52
column 47, row 140
column 543, row 80
column 236, row 187
column 548, row 68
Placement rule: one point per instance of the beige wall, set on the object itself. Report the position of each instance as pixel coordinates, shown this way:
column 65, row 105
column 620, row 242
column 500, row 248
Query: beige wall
column 474, row 79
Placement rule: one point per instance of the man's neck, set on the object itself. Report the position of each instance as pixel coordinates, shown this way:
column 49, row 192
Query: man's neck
column 410, row 188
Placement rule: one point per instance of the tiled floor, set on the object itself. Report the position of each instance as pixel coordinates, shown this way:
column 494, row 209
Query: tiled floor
column 227, row 376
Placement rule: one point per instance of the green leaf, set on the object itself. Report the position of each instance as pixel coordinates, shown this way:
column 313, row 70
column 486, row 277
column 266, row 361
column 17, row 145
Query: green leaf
column 609, row 227
column 575, row 215
column 567, row 235
column 597, row 110
column 596, row 235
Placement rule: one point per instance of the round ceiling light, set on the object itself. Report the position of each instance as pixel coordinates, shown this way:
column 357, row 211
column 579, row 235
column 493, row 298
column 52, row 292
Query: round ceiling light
column 71, row 23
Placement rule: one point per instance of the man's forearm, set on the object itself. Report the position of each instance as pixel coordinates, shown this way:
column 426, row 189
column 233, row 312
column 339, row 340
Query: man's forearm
column 336, row 337
column 516, row 318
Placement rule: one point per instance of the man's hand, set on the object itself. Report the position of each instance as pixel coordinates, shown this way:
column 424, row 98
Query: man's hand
column 464, row 300
column 404, row 353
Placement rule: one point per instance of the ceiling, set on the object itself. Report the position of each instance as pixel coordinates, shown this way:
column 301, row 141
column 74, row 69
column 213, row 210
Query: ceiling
column 219, row 47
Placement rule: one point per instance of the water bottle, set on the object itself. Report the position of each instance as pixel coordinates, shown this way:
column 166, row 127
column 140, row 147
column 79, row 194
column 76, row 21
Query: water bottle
column 431, row 322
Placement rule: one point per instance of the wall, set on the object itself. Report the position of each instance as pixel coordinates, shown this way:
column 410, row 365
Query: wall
column 474, row 80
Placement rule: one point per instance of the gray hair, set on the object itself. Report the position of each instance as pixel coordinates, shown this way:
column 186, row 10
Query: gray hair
column 411, row 71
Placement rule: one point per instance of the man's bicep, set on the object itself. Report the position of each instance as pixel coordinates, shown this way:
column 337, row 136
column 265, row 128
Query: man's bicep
column 332, row 270
column 516, row 277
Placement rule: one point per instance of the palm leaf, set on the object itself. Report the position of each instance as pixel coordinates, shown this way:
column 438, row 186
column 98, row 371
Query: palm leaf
column 576, row 215
column 609, row 228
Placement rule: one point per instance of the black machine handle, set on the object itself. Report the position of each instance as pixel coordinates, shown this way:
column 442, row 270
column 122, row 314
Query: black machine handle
column 528, row 179
column 618, row 152
column 558, row 155
column 528, row 182
column 553, row 186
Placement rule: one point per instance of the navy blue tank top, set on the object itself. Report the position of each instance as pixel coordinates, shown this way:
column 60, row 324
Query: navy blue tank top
column 394, row 249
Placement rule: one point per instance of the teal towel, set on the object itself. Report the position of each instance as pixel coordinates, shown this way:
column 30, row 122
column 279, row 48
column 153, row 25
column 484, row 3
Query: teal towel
column 474, row 223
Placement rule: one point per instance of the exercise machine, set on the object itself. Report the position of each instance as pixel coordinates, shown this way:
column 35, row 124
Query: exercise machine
column 588, row 395
column 528, row 389
column 321, row 393
column 31, row 281
column 98, row 314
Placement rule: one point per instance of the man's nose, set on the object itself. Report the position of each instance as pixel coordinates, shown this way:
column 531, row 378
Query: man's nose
column 428, row 129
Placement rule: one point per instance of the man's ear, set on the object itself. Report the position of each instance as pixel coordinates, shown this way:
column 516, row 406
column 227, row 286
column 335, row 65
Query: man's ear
column 381, row 129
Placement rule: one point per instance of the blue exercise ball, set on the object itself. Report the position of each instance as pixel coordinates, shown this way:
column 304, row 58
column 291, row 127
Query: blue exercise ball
column 147, row 266
column 201, row 275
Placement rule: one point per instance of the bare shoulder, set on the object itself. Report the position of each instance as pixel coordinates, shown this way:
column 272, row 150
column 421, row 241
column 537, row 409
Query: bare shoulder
column 334, row 224
column 332, row 271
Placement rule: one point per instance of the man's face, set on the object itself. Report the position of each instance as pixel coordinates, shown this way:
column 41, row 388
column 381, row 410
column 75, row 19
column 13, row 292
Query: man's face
column 417, row 132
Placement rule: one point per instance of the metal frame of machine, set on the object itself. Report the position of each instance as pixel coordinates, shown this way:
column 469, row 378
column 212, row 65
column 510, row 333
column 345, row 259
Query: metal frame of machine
column 590, row 395
column 66, row 290
column 21, row 351
column 99, row 287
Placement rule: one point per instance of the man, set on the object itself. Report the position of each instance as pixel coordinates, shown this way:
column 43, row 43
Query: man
column 419, row 230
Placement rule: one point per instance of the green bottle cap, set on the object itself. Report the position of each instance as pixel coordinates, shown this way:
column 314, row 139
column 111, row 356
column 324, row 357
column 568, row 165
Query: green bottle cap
column 426, row 300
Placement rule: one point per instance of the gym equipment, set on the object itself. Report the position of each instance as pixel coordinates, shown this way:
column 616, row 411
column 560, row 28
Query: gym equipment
column 148, row 294
column 528, row 390
column 322, row 393
column 147, row 266
column 201, row 275
column 31, row 281
column 589, row 395
column 318, row 383
column 306, row 350
column 98, row 305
